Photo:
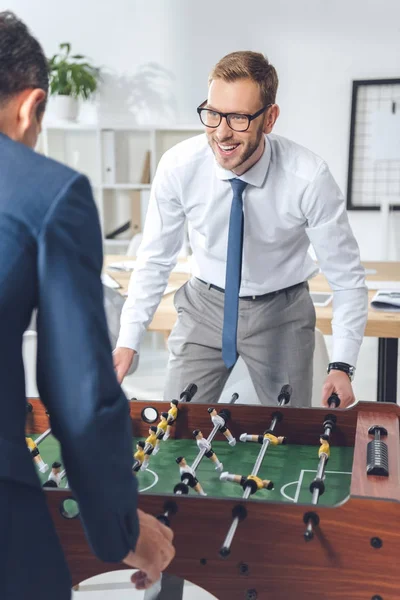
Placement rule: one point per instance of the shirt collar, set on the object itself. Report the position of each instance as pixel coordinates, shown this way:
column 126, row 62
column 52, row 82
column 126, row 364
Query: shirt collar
column 254, row 176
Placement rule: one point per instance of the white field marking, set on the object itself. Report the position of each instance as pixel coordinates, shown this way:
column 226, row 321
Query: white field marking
column 152, row 484
column 284, row 487
column 300, row 481
column 298, row 488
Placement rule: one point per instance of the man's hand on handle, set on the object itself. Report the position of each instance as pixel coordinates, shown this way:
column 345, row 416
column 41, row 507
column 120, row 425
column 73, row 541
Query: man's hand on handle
column 338, row 382
column 154, row 551
column 123, row 358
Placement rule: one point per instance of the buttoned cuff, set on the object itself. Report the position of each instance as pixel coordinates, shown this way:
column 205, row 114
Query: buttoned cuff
column 130, row 336
column 345, row 350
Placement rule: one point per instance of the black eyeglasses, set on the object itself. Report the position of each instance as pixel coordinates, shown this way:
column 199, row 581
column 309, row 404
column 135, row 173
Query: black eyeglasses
column 236, row 121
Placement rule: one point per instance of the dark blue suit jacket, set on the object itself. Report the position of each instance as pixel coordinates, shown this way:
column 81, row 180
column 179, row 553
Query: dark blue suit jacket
column 51, row 258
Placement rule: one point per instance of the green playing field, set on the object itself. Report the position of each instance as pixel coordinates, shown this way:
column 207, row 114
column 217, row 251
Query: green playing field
column 290, row 467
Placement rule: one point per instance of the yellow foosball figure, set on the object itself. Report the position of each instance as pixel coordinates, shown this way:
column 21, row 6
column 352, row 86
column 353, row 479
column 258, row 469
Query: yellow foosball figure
column 189, row 474
column 172, row 416
column 252, row 481
column 161, row 430
column 138, row 456
column 204, row 444
column 34, row 450
column 324, row 449
column 150, row 444
column 274, row 440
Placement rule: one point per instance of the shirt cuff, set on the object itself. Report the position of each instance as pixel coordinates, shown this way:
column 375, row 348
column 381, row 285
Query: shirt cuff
column 130, row 336
column 345, row 350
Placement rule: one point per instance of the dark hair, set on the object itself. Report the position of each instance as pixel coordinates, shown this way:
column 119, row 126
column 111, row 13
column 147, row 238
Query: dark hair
column 153, row 428
column 56, row 465
column 196, row 432
column 22, row 60
column 50, row 484
column 165, row 415
column 141, row 444
column 174, row 402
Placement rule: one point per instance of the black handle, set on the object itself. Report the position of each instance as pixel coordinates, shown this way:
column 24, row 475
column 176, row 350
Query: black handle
column 333, row 400
column 188, row 392
column 285, row 393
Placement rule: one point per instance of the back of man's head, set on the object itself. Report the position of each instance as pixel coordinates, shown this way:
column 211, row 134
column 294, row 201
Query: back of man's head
column 23, row 68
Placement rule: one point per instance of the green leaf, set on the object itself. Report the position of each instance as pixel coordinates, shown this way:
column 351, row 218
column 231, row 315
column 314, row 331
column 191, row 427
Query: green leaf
column 69, row 77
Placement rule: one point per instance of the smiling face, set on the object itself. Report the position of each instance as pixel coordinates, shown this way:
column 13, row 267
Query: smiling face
column 238, row 151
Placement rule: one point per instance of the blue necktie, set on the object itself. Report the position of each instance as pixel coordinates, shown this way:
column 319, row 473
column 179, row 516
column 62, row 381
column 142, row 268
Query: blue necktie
column 233, row 274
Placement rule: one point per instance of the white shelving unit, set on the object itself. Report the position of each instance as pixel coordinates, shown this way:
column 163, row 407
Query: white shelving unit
column 120, row 160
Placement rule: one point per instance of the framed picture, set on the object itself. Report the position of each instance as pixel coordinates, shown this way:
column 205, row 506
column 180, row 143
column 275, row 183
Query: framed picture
column 374, row 150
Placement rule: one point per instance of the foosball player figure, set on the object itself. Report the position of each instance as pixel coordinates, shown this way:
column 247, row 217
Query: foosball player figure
column 138, row 456
column 324, row 449
column 34, row 450
column 172, row 416
column 189, row 474
column 252, row 481
column 149, row 446
column 220, row 421
column 161, row 429
column 202, row 444
column 273, row 439
column 55, row 473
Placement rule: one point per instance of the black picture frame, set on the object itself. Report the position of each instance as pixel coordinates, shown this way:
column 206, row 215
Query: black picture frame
column 357, row 85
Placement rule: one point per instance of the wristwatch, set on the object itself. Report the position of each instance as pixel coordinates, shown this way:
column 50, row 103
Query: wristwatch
column 340, row 366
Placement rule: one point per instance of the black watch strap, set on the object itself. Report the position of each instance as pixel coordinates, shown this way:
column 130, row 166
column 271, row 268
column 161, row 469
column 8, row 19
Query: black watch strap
column 341, row 366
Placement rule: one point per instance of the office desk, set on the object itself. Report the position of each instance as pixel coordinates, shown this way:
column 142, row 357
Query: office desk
column 383, row 325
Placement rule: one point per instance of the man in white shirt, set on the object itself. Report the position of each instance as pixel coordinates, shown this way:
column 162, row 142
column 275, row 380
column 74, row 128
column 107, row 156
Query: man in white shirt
column 254, row 201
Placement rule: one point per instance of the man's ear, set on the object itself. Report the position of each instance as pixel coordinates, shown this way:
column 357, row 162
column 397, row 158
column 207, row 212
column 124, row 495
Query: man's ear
column 271, row 118
column 28, row 118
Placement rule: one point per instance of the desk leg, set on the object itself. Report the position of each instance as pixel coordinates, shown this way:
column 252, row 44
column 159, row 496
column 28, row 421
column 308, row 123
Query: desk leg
column 387, row 369
column 171, row 588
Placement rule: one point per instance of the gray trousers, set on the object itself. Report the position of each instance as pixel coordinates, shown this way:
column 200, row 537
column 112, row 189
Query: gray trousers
column 275, row 338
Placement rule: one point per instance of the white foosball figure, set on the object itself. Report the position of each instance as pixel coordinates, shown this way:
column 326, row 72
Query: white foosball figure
column 193, row 482
column 55, row 473
column 204, row 444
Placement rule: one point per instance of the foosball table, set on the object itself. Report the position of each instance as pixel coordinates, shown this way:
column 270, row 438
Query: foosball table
column 265, row 502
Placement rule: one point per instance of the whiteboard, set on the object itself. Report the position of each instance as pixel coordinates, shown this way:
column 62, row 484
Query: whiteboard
column 385, row 135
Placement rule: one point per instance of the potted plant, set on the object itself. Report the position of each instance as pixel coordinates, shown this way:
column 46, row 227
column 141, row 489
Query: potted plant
column 72, row 77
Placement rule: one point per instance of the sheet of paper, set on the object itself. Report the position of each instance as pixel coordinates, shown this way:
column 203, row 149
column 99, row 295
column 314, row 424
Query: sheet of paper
column 386, row 300
column 393, row 286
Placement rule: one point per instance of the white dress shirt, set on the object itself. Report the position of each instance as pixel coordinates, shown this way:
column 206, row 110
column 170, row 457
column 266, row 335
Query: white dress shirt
column 291, row 200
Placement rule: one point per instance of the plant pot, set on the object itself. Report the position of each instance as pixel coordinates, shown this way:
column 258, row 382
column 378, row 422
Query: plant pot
column 65, row 108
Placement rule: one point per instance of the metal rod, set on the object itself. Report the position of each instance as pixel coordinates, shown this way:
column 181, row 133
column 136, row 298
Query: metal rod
column 202, row 452
column 42, row 437
column 257, row 465
column 260, row 457
column 200, row 456
column 246, row 494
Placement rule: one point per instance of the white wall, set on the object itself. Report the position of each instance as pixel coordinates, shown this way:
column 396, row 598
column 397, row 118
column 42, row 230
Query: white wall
column 158, row 54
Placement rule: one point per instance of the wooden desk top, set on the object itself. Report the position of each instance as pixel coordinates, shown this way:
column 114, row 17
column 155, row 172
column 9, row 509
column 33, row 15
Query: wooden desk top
column 380, row 324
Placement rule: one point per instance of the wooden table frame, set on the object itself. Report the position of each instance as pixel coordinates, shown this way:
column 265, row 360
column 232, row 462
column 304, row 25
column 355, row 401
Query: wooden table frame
column 383, row 325
column 354, row 551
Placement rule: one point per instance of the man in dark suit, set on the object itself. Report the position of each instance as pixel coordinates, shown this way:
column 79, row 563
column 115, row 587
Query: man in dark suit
column 51, row 259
